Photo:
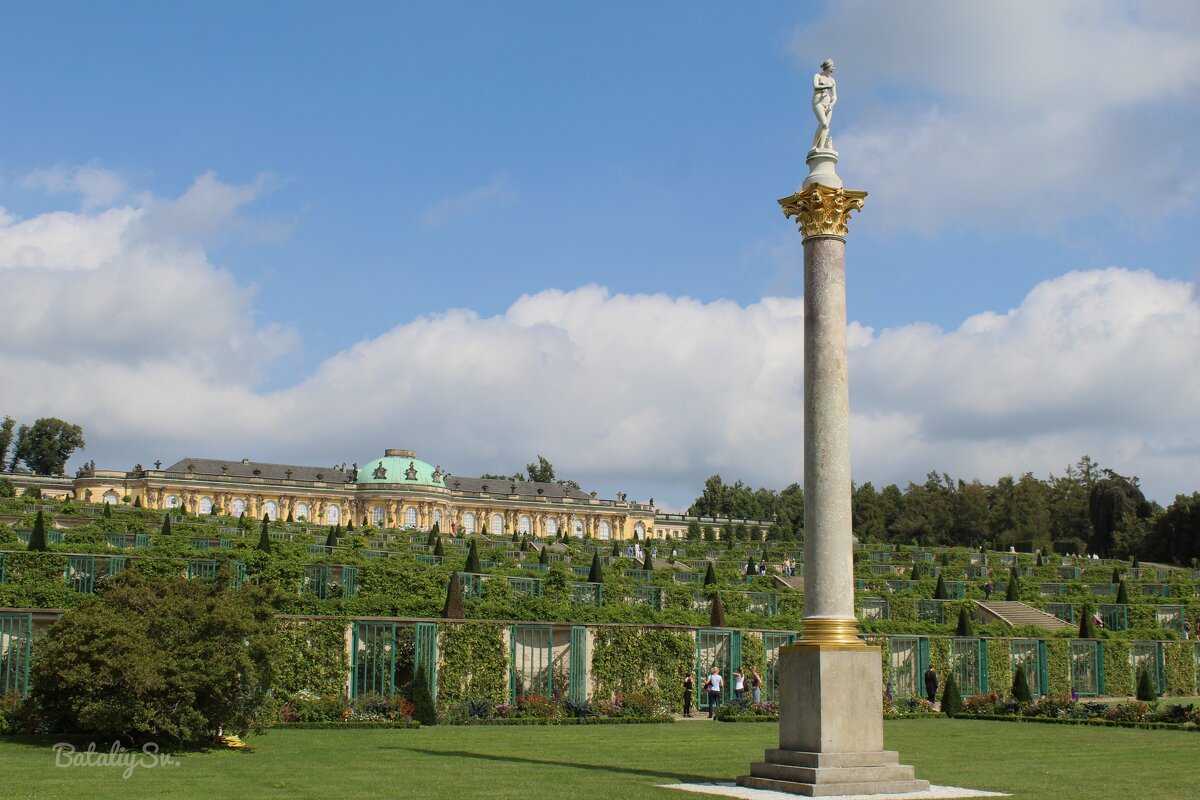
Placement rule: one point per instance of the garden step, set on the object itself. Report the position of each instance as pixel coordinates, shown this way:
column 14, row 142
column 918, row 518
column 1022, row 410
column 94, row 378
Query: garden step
column 833, row 789
column 1013, row 613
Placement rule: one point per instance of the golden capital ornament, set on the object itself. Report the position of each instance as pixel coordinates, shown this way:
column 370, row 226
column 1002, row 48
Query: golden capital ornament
column 822, row 211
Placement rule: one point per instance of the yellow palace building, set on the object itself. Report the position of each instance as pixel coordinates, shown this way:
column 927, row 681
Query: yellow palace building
column 398, row 490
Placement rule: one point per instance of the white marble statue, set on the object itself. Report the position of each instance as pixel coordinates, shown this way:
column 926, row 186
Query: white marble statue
column 824, row 99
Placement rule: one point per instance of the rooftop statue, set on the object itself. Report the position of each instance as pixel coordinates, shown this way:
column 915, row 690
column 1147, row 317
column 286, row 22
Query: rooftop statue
column 823, row 101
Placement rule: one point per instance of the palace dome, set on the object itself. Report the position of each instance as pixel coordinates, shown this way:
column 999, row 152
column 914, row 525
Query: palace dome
column 400, row 467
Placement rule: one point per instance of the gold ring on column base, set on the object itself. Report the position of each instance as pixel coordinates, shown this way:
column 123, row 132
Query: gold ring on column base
column 822, row 631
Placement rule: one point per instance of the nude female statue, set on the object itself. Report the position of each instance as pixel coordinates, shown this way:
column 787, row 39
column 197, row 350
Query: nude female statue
column 824, row 99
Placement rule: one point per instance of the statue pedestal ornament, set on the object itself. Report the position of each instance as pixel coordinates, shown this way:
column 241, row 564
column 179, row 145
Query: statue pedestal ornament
column 822, row 163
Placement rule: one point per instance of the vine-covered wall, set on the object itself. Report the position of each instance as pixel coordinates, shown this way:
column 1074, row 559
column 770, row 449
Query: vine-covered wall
column 473, row 662
column 312, row 657
column 642, row 660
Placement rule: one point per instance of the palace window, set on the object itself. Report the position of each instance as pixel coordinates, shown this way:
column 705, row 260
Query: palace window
column 497, row 528
column 605, row 530
column 206, row 505
column 410, row 517
column 468, row 522
column 578, row 529
column 112, row 498
column 552, row 527
column 271, row 510
column 302, row 511
column 437, row 518
column 237, row 507
column 172, row 501
column 333, row 515
column 524, row 524
column 378, row 515
column 639, row 531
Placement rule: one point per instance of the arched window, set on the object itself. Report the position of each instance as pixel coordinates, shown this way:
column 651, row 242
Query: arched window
column 112, row 498
column 497, row 526
column 524, row 524
column 333, row 515
column 378, row 515
column 206, row 505
column 552, row 527
column 605, row 530
column 468, row 522
column 237, row 507
column 437, row 518
column 172, row 501
column 410, row 517
column 578, row 529
column 639, row 531
column 302, row 512
column 271, row 510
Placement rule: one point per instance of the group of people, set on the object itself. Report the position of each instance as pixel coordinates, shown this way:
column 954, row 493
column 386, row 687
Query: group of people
column 714, row 685
column 789, row 567
column 755, row 569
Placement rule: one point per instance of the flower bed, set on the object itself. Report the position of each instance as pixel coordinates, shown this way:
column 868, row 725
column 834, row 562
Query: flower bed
column 744, row 711
column 537, row 710
column 304, row 708
column 1063, row 709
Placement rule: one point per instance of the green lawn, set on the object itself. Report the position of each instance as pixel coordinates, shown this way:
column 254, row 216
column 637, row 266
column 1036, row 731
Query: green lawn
column 1028, row 760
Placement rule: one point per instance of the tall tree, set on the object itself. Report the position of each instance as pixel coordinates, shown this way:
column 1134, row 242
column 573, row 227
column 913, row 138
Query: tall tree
column 542, row 471
column 46, row 446
column 6, row 438
column 1115, row 507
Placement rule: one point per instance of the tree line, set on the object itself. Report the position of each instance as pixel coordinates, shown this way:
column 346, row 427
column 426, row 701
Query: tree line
column 43, row 447
column 1086, row 508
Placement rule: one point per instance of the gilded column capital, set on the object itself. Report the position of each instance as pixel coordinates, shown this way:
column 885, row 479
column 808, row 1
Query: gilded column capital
column 822, row 211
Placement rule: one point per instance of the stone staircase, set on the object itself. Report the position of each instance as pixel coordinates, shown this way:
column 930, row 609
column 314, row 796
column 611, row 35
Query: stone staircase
column 1012, row 613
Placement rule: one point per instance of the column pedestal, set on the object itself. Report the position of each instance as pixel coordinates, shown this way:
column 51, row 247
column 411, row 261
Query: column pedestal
column 831, row 727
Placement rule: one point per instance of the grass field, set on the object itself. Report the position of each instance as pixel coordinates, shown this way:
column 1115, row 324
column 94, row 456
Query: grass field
column 1028, row 760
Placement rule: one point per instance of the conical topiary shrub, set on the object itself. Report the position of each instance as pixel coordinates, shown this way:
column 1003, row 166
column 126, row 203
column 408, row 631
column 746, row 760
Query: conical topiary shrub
column 1086, row 629
column 544, row 556
column 264, row 537
column 436, row 529
column 1134, row 563
column 648, row 568
column 710, row 575
column 525, row 545
column 915, row 575
column 453, row 609
column 431, row 539
column 1020, row 687
column 438, row 550
column 596, row 574
column 1122, row 593
column 1116, row 578
column 964, row 623
column 1014, row 590
column 951, row 698
column 751, row 565
column 473, row 564
column 716, row 613
column 939, row 591
column 424, row 710
column 1146, row 690
column 107, row 510
column 331, row 539
column 616, row 551
column 516, row 537
column 289, row 517
column 166, row 526
column 37, row 539
column 137, row 501
column 1040, row 561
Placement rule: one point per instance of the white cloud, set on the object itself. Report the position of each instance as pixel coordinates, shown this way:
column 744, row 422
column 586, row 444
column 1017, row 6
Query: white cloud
column 990, row 113
column 449, row 209
column 155, row 352
column 99, row 187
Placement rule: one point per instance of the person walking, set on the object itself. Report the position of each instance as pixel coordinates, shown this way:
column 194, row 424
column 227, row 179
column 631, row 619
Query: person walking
column 755, row 685
column 931, row 685
column 987, row 591
column 712, row 685
column 739, row 684
column 689, row 684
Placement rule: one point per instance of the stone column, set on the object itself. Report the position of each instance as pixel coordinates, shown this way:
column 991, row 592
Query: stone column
column 830, row 682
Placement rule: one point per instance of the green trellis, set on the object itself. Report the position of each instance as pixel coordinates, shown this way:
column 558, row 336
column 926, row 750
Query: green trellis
column 1087, row 667
column 772, row 642
column 16, row 642
column 908, row 659
column 578, row 675
column 722, row 649
column 1032, row 654
column 373, row 659
column 968, row 660
column 531, row 661
column 425, row 653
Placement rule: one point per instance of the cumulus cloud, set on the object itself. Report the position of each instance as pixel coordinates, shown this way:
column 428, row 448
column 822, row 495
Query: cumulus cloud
column 449, row 209
column 154, row 350
column 97, row 186
column 993, row 112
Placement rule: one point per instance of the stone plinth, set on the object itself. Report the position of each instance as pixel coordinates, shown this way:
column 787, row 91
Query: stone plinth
column 831, row 727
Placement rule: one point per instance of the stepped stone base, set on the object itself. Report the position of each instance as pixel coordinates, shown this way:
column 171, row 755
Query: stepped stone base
column 832, row 774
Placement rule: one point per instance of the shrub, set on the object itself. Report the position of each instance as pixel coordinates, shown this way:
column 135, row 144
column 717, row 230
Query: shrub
column 32, row 492
column 37, row 539
column 1122, row 593
column 964, row 623
column 939, row 591
column 473, row 564
column 164, row 659
column 424, row 711
column 710, row 575
column 453, row 609
column 166, row 526
column 951, row 699
column 1020, row 687
column 716, row 616
column 1014, row 591
column 264, row 537
column 1086, row 629
column 596, row 574
column 1146, row 690
column 438, row 549
column 544, row 555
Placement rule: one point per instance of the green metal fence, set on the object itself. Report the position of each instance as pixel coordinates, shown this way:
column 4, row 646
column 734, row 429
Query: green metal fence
column 471, row 583
column 1149, row 655
column 908, row 658
column 526, row 586
column 968, row 660
column 875, row 608
column 931, row 611
column 1115, row 616
column 316, row 580
column 588, row 594
column 531, row 661
column 578, row 674
column 373, row 659
column 81, row 573
column 1031, row 653
column 3, row 567
column 765, row 603
column 116, row 564
column 772, row 642
column 651, row 596
column 16, row 642
column 425, row 653
column 1064, row 611
column 1087, row 667
column 720, row 649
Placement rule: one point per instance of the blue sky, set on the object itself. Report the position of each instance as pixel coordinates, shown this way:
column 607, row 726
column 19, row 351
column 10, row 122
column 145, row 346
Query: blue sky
column 290, row 200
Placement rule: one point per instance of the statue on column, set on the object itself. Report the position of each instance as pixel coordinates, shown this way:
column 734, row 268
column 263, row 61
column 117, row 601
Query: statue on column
column 823, row 101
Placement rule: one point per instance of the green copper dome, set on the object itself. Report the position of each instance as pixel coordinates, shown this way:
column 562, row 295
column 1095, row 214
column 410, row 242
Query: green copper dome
column 400, row 467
